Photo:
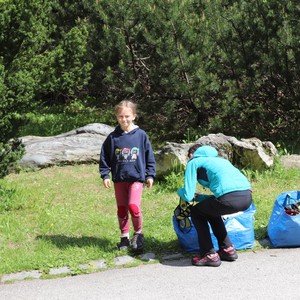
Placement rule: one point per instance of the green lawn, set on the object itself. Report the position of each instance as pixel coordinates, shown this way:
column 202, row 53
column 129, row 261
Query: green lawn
column 63, row 216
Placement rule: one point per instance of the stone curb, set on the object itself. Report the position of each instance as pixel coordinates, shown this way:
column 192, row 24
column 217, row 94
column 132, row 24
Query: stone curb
column 93, row 265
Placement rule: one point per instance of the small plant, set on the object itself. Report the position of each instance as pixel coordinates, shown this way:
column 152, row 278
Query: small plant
column 190, row 136
column 10, row 199
column 171, row 182
column 174, row 179
column 282, row 149
column 10, row 153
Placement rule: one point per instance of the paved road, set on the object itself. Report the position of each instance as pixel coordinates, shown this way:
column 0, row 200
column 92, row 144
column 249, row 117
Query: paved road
column 265, row 274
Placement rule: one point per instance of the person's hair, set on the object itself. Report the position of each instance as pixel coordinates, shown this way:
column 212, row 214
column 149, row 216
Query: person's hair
column 192, row 149
column 126, row 103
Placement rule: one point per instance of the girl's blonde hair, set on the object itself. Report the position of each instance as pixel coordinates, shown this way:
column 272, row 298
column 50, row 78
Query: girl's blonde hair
column 126, row 103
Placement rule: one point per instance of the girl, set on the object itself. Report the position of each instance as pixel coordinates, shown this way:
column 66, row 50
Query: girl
column 127, row 154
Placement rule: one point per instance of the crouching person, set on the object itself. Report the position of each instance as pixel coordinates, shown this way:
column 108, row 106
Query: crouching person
column 231, row 193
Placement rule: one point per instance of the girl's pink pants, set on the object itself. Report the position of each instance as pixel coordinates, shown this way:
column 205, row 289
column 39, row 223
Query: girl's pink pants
column 128, row 197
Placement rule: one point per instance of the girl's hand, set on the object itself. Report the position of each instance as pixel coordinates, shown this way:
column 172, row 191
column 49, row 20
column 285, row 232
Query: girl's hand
column 106, row 183
column 149, row 182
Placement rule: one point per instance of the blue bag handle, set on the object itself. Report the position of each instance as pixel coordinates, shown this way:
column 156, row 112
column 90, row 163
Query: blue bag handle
column 288, row 200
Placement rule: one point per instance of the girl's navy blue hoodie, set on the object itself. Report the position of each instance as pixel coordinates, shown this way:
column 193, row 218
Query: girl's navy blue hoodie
column 128, row 156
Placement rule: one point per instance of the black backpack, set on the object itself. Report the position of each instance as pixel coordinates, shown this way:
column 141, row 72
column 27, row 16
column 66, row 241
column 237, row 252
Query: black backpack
column 182, row 214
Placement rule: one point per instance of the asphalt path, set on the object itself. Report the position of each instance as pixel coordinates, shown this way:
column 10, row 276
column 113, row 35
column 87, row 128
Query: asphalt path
column 264, row 274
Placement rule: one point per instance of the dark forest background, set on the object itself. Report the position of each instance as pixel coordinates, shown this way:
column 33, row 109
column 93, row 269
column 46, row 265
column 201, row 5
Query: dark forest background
column 193, row 67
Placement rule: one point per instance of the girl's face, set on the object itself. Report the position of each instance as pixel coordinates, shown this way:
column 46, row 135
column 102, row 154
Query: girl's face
column 125, row 118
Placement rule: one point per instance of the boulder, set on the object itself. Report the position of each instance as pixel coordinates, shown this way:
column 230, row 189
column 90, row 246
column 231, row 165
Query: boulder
column 291, row 161
column 83, row 145
column 245, row 153
column 80, row 145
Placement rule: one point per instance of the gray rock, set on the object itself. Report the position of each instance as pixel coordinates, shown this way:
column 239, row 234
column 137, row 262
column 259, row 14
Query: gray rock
column 123, row 260
column 148, row 257
column 59, row 271
column 245, row 153
column 291, row 161
column 83, row 145
column 21, row 276
column 94, row 264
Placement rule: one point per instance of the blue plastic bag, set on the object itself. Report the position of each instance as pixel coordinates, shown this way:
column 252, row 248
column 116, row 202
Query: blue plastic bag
column 240, row 228
column 284, row 229
column 187, row 237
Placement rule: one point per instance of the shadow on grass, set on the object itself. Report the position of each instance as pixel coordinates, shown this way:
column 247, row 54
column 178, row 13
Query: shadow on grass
column 63, row 241
column 261, row 232
column 161, row 247
column 151, row 244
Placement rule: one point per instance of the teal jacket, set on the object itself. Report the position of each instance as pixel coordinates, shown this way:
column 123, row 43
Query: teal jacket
column 213, row 172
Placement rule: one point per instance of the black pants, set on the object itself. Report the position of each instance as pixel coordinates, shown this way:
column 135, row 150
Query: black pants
column 210, row 210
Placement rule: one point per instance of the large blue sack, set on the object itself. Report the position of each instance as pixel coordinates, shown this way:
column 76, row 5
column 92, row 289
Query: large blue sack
column 284, row 228
column 240, row 228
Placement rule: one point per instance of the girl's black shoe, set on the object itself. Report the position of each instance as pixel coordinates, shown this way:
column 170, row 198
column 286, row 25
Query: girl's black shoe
column 124, row 243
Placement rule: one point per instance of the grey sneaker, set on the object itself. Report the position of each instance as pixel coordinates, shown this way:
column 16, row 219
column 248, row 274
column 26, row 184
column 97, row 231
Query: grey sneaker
column 124, row 243
column 137, row 242
column 210, row 260
column 228, row 254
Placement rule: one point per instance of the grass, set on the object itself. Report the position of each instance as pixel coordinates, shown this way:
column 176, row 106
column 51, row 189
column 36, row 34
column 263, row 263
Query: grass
column 63, row 216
